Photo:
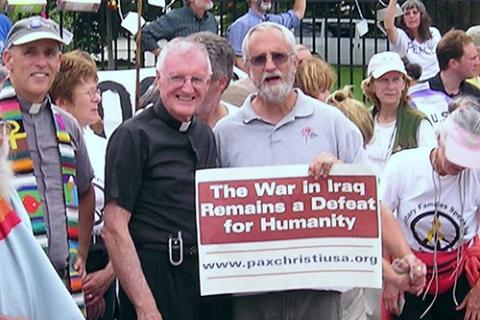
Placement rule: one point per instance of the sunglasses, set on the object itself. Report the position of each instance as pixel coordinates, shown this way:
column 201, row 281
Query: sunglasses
column 278, row 59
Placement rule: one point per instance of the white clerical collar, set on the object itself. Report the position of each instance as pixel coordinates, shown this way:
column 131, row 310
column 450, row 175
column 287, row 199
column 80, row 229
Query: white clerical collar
column 35, row 108
column 32, row 108
column 184, row 126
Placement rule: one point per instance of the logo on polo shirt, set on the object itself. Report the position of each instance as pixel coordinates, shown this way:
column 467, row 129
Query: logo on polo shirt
column 308, row 134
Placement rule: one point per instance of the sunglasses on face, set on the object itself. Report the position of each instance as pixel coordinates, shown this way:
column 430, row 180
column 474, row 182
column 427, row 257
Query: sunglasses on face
column 278, row 59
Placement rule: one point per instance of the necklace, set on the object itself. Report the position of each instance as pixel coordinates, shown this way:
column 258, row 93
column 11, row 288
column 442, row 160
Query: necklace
column 437, row 185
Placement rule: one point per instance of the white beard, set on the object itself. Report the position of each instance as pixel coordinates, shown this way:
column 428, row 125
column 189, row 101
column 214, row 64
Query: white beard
column 279, row 92
column 266, row 6
column 263, row 6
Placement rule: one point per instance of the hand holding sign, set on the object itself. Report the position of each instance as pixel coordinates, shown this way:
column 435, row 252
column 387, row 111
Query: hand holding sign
column 285, row 230
column 321, row 165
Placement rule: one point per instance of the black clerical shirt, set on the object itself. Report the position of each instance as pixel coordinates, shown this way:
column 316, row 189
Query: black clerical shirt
column 150, row 170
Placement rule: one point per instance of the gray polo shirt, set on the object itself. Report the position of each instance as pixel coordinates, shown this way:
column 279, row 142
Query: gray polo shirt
column 43, row 147
column 245, row 139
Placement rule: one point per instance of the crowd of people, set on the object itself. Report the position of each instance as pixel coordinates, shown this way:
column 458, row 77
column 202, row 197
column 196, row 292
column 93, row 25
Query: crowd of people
column 418, row 131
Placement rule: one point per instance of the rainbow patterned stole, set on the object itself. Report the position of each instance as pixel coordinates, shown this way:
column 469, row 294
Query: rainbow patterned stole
column 26, row 185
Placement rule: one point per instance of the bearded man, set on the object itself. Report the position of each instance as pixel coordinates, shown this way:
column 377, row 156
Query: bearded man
column 280, row 125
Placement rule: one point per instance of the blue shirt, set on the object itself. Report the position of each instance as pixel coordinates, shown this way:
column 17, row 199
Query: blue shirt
column 5, row 26
column 179, row 22
column 239, row 28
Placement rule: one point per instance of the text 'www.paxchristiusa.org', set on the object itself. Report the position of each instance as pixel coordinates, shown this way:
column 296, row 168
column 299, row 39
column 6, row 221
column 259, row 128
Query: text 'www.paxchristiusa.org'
column 249, row 264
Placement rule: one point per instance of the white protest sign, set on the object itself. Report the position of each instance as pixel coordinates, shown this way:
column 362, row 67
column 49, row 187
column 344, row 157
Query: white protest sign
column 275, row 228
column 118, row 94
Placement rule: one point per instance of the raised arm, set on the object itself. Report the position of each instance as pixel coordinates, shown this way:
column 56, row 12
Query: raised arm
column 390, row 22
column 299, row 7
column 155, row 31
column 125, row 261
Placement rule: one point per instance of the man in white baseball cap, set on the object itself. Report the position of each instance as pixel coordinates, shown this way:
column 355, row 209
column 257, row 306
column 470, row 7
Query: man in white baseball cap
column 50, row 162
column 34, row 28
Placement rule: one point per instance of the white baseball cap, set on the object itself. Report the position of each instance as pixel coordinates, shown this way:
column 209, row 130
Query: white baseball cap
column 384, row 62
column 32, row 29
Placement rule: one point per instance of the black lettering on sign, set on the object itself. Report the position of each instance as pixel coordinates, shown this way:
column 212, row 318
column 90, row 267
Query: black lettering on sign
column 123, row 94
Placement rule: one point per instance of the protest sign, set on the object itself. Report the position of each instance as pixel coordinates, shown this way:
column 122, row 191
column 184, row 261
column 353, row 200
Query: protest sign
column 275, row 228
column 118, row 94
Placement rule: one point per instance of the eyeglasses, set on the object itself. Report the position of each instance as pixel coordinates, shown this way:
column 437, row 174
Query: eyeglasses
column 179, row 80
column 94, row 93
column 278, row 59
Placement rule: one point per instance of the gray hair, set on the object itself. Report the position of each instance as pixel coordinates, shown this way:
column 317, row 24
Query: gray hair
column 287, row 36
column 181, row 45
column 467, row 116
column 414, row 4
column 474, row 33
column 3, row 73
column 220, row 53
column 465, row 112
column 462, row 102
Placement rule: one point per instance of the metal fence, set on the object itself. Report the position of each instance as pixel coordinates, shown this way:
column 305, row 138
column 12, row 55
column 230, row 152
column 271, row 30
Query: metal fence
column 329, row 29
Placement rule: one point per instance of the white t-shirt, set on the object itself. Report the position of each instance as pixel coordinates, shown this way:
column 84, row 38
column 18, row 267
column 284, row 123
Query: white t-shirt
column 433, row 103
column 410, row 186
column 421, row 53
column 96, row 147
column 380, row 147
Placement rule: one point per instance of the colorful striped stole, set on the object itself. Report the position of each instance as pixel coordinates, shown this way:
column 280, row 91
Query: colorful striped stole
column 26, row 185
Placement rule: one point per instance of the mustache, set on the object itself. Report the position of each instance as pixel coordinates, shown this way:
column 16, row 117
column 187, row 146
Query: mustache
column 271, row 74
